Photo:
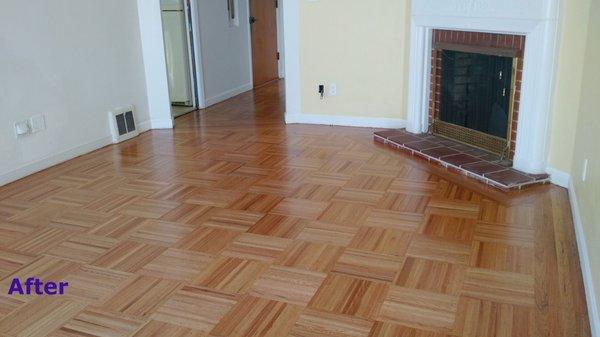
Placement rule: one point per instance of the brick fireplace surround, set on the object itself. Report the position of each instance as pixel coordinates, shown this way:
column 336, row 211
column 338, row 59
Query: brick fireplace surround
column 484, row 40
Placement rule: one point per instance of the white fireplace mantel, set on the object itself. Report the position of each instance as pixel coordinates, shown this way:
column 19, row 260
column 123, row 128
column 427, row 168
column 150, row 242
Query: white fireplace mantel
column 536, row 19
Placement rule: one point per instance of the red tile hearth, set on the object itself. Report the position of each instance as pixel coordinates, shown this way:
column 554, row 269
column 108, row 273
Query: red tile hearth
column 473, row 162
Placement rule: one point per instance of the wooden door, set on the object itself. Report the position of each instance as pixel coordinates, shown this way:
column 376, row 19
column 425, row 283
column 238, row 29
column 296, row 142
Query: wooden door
column 263, row 18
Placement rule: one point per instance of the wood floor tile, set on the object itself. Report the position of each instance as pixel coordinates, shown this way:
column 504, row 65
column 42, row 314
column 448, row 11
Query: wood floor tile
column 278, row 226
column 312, row 256
column 502, row 257
column 176, row 264
column 213, row 197
column 161, row 233
column 404, row 202
column 129, row 256
column 207, row 240
column 346, row 214
column 11, row 232
column 314, row 323
column 314, row 192
column 458, row 209
column 350, row 296
column 111, row 203
column 117, row 227
column 195, row 308
column 434, row 276
column 477, row 318
column 233, row 220
column 161, row 329
column 149, row 208
column 39, row 317
column 83, row 248
column 369, row 182
column 38, row 242
column 93, row 285
column 80, row 220
column 387, row 329
column 283, row 284
column 368, row 265
column 11, row 261
column 419, row 309
column 503, row 287
column 394, row 220
column 322, row 232
column 300, row 208
column 74, row 197
column 449, row 228
column 141, row 297
column 95, row 323
column 358, row 196
column 381, row 241
column 440, row 250
column 256, row 202
column 188, row 214
column 231, row 275
column 506, row 234
column 256, row 247
column 253, row 317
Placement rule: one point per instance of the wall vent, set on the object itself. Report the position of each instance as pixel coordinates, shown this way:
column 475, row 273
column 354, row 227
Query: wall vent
column 122, row 124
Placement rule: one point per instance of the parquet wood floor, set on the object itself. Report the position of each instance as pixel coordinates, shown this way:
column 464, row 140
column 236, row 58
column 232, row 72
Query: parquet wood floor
column 235, row 224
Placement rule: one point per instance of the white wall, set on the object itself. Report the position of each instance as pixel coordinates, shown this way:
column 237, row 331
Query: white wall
column 225, row 50
column 71, row 60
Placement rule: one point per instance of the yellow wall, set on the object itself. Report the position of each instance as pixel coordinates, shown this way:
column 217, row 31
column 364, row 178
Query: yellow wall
column 363, row 47
column 586, row 146
column 360, row 45
column 567, row 91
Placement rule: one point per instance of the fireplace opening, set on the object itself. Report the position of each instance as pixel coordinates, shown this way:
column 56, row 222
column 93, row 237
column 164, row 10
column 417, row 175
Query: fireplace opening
column 476, row 91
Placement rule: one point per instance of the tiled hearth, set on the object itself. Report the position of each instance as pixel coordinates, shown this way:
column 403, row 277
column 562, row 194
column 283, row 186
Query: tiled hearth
column 465, row 159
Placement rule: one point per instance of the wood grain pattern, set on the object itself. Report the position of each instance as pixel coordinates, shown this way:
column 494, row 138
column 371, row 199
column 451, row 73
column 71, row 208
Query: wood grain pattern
column 235, row 224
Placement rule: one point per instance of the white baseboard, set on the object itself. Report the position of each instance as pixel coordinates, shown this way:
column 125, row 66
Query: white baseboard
column 52, row 160
column 584, row 261
column 166, row 123
column 144, row 126
column 558, row 177
column 391, row 123
column 228, row 94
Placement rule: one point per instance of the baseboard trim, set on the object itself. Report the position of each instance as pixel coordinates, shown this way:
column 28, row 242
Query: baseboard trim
column 584, row 261
column 391, row 123
column 166, row 123
column 228, row 94
column 558, row 177
column 53, row 160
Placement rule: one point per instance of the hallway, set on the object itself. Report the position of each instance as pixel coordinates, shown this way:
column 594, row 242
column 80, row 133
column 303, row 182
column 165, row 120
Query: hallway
column 235, row 224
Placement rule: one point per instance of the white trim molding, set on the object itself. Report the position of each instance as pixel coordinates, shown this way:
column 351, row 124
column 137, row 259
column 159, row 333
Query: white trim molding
column 228, row 94
column 535, row 19
column 558, row 177
column 291, row 49
column 302, row 118
column 584, row 261
column 53, row 160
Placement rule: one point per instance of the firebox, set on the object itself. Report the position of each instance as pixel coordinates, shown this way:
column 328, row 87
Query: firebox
column 475, row 89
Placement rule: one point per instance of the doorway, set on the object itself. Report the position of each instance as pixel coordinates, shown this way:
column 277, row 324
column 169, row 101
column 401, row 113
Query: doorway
column 264, row 39
column 179, row 55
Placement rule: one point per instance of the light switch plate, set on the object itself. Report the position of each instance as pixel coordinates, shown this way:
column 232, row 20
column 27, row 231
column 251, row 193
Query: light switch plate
column 584, row 171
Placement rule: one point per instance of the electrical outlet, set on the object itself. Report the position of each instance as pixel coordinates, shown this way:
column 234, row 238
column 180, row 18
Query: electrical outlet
column 584, row 171
column 37, row 123
column 22, row 128
column 333, row 89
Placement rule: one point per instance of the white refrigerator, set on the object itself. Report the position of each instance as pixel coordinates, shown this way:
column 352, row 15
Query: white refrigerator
column 177, row 52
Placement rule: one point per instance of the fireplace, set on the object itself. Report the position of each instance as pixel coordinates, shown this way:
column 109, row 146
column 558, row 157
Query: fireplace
column 506, row 24
column 475, row 88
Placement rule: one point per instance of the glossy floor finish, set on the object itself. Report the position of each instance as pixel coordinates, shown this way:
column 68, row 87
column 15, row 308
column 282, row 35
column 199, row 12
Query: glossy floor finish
column 234, row 224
